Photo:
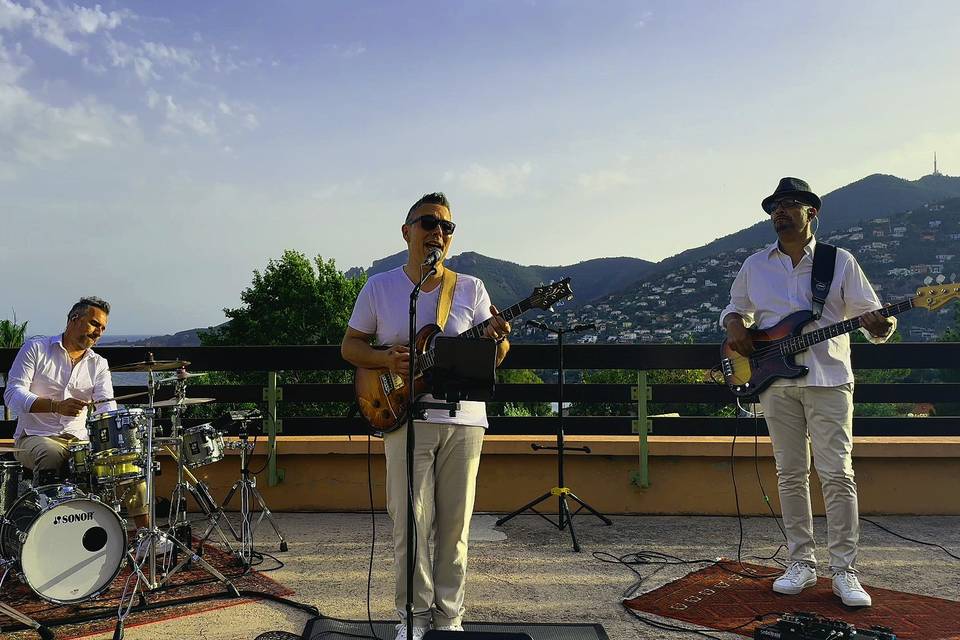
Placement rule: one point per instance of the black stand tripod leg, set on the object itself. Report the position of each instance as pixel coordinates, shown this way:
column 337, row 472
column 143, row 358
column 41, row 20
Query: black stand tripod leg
column 567, row 520
column 583, row 504
column 529, row 505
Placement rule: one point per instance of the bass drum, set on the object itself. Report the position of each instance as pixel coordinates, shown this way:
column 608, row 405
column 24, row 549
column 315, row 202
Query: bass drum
column 68, row 546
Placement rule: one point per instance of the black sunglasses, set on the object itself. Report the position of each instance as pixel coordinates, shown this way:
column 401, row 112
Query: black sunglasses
column 784, row 203
column 429, row 223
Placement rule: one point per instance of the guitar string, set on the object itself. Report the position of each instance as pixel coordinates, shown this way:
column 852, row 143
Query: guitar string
column 794, row 344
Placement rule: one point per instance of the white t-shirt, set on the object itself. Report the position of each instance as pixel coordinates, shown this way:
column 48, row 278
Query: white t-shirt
column 383, row 310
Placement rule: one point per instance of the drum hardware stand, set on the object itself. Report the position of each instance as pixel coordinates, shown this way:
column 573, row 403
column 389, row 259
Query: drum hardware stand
column 150, row 537
column 563, row 493
column 247, row 486
column 12, row 613
column 179, row 523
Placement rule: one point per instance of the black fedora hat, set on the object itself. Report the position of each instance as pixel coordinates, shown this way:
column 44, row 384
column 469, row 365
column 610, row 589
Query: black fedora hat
column 791, row 188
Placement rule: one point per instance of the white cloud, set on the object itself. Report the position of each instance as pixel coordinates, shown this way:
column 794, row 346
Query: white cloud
column 605, row 180
column 13, row 15
column 168, row 55
column 501, row 182
column 55, row 25
column 36, row 132
column 348, row 51
column 13, row 63
column 179, row 118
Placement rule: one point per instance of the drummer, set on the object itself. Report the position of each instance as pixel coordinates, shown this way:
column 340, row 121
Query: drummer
column 51, row 386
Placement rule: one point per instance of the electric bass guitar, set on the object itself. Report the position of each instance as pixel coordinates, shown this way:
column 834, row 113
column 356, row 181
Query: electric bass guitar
column 383, row 396
column 775, row 348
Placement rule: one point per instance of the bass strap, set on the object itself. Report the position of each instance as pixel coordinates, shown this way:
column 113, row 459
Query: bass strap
column 821, row 276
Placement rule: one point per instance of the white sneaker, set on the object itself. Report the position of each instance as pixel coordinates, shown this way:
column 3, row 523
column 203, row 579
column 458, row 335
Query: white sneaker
column 797, row 577
column 418, row 632
column 450, row 627
column 847, row 586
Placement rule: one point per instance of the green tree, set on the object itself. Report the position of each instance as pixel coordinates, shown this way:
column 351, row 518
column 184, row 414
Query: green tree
column 293, row 301
column 880, row 376
column 11, row 337
column 654, row 376
column 518, row 376
column 952, row 334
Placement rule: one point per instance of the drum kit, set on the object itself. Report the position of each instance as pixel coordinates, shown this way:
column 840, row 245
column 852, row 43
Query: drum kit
column 67, row 541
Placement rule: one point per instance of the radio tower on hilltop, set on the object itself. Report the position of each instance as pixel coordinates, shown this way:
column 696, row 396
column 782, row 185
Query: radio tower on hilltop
column 936, row 171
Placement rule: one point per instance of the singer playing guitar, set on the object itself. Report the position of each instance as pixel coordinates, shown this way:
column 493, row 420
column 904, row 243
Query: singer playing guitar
column 772, row 284
column 447, row 454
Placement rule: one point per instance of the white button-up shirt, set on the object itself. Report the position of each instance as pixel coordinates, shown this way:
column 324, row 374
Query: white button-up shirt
column 768, row 288
column 43, row 369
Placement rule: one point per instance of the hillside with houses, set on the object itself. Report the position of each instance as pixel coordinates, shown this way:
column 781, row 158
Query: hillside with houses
column 681, row 303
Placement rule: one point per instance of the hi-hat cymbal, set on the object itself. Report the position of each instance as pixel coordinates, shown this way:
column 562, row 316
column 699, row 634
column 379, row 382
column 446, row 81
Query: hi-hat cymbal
column 151, row 365
column 173, row 402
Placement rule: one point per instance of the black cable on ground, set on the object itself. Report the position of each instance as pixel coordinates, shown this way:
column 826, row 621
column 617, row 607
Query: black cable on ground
column 908, row 539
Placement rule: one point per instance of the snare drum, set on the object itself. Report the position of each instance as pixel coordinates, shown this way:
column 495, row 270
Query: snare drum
column 202, row 445
column 68, row 546
column 11, row 473
column 117, row 436
column 91, row 472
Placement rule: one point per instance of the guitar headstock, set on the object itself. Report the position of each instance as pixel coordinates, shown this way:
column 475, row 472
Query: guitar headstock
column 546, row 295
column 936, row 296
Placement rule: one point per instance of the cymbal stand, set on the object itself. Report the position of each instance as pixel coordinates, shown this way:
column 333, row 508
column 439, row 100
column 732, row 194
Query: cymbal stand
column 178, row 521
column 13, row 614
column 247, row 486
column 148, row 539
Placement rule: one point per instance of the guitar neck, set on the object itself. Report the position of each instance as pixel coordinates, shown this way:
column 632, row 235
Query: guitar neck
column 795, row 344
column 428, row 359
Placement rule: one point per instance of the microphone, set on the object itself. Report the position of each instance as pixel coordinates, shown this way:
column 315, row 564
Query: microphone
column 584, row 327
column 538, row 325
column 433, row 257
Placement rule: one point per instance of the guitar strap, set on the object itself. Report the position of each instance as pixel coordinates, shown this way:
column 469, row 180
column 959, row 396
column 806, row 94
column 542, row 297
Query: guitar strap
column 824, row 262
column 445, row 300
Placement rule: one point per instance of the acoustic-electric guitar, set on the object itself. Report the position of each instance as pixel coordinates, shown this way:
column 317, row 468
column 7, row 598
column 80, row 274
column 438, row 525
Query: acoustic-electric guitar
column 383, row 396
column 775, row 347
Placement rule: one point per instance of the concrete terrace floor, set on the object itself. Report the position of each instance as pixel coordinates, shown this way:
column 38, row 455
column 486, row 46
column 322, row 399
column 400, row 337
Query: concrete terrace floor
column 526, row 570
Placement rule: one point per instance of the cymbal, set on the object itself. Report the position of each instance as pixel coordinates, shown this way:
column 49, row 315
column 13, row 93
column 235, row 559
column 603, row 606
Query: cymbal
column 151, row 365
column 180, row 376
column 172, row 402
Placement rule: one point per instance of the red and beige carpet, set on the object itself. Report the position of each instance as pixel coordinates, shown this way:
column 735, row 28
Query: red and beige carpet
column 719, row 599
column 188, row 583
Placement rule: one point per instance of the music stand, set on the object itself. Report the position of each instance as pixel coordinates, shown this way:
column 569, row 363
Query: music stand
column 561, row 491
column 465, row 369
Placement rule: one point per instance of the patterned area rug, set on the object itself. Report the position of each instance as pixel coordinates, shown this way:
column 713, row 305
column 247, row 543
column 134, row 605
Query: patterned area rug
column 721, row 600
column 100, row 615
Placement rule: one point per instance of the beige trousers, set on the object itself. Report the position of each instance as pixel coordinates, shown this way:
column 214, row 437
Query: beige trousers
column 446, row 459
column 50, row 454
column 823, row 416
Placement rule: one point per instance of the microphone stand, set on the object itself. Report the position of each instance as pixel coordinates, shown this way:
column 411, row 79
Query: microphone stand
column 564, row 517
column 411, row 440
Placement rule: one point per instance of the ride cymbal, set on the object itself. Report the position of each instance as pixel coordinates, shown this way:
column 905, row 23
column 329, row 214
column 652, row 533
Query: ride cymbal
column 151, row 365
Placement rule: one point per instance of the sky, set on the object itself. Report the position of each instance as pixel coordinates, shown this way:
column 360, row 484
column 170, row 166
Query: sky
column 156, row 153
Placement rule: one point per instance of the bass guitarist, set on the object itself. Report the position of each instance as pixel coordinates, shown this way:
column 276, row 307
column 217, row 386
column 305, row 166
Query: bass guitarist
column 447, row 454
column 817, row 407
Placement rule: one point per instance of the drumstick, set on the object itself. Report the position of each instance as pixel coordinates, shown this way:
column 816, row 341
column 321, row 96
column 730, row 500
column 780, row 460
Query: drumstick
column 126, row 397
